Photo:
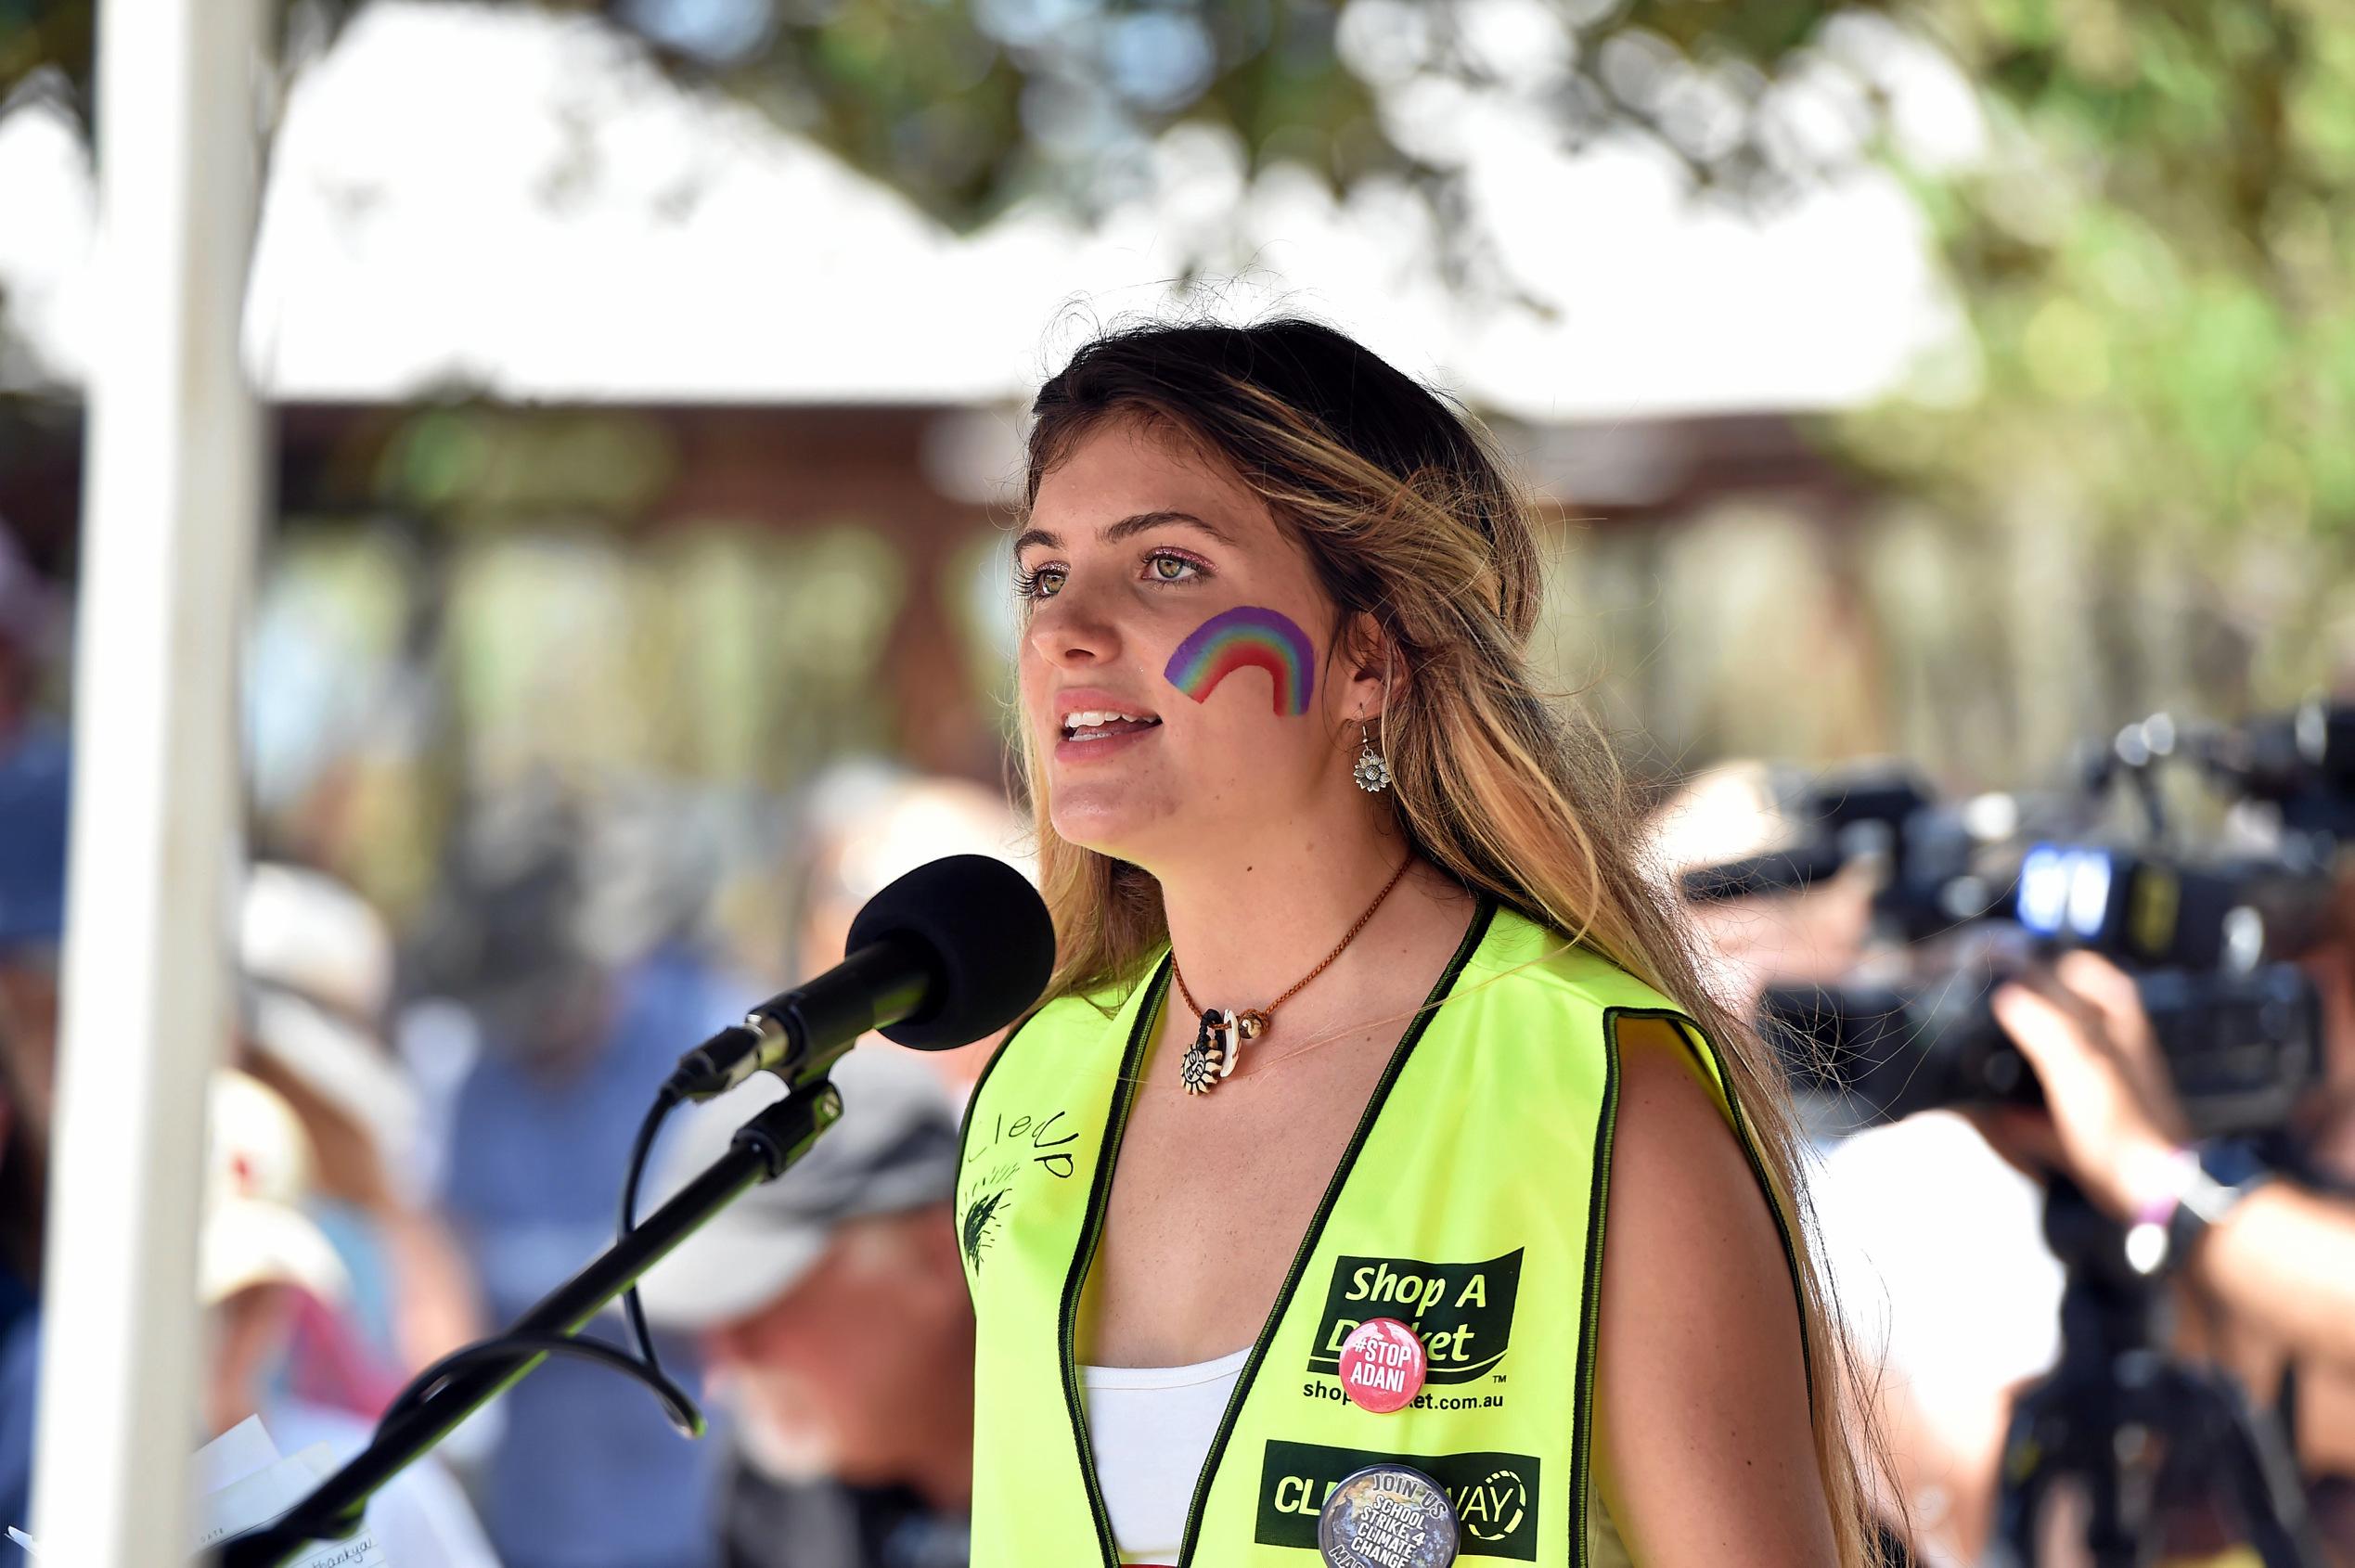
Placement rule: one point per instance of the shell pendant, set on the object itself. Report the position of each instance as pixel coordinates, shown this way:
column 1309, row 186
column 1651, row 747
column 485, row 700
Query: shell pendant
column 1217, row 1045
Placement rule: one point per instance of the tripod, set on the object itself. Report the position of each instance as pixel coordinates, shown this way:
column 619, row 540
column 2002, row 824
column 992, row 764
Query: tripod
column 2134, row 1426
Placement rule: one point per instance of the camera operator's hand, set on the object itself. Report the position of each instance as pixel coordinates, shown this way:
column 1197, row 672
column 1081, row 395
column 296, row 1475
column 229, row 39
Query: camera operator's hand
column 2282, row 1261
column 2113, row 1123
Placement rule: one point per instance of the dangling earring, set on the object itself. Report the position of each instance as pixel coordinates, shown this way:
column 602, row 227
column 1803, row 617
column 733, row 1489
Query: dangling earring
column 1372, row 773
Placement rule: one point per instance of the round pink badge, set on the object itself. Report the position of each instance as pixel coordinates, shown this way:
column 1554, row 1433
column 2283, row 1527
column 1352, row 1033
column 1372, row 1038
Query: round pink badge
column 1382, row 1365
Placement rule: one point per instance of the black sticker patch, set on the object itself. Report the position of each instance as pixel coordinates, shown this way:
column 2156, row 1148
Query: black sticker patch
column 1462, row 1312
column 978, row 1229
column 1494, row 1496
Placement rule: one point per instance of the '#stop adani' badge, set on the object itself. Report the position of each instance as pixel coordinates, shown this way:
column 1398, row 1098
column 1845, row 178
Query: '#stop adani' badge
column 1382, row 1365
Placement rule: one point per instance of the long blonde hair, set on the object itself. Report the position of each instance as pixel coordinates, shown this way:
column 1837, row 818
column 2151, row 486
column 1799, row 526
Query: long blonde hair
column 1409, row 517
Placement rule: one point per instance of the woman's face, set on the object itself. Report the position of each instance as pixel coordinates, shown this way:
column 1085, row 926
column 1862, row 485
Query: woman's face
column 1159, row 588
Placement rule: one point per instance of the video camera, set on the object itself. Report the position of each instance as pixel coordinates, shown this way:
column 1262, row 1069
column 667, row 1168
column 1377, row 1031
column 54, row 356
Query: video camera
column 2240, row 1048
column 1930, row 853
column 2300, row 764
column 2205, row 938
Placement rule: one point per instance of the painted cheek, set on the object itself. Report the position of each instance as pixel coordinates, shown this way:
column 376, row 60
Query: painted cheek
column 1246, row 637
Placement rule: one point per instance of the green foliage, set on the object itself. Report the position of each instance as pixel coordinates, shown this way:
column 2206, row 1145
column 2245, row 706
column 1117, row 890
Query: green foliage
column 968, row 107
column 2156, row 264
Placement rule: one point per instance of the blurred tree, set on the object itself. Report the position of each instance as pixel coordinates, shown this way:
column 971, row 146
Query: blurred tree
column 2154, row 255
column 2153, row 249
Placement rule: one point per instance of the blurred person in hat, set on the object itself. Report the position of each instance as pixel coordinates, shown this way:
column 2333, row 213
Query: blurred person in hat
column 867, row 823
column 830, row 1307
column 261, row 1260
column 1933, row 1240
column 551, row 1031
column 1735, row 811
column 317, row 966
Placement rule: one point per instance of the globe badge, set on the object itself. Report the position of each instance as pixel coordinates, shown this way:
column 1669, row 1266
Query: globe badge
column 1387, row 1516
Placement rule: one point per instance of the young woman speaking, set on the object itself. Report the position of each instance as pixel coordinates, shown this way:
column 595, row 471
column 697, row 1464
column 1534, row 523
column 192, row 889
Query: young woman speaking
column 1377, row 1182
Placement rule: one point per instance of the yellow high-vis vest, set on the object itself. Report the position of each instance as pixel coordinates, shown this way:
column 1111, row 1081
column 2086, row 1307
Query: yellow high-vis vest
column 1469, row 1204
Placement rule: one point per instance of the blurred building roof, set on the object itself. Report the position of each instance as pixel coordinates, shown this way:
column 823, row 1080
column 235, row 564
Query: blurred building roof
column 516, row 203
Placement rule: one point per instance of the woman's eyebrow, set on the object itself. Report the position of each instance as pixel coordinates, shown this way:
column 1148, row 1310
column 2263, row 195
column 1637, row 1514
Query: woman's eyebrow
column 1142, row 521
column 1126, row 527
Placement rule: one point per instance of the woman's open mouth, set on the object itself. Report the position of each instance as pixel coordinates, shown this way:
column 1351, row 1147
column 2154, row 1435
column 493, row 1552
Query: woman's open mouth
column 1101, row 731
column 1098, row 723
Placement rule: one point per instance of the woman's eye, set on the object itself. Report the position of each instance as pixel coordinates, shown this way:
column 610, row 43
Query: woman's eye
column 1045, row 582
column 1172, row 568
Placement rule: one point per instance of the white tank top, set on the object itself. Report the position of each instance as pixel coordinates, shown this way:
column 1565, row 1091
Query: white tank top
column 1149, row 1429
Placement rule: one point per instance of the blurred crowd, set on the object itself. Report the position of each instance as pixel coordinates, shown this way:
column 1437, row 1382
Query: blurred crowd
column 421, row 1132
column 416, row 1139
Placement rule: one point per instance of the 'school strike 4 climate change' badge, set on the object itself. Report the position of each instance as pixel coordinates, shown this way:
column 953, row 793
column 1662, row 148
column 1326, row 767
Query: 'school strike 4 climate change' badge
column 1387, row 1516
column 1492, row 1496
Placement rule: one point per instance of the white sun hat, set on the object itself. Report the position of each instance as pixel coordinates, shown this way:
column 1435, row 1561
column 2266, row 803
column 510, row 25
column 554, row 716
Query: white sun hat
column 259, row 1170
column 318, row 962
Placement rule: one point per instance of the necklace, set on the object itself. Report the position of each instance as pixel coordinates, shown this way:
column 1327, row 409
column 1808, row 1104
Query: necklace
column 1217, row 1047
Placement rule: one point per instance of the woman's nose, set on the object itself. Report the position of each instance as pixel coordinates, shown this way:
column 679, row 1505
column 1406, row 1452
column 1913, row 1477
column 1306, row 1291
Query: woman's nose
column 1069, row 630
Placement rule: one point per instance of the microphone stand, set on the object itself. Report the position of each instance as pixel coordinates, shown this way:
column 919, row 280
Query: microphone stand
column 763, row 1149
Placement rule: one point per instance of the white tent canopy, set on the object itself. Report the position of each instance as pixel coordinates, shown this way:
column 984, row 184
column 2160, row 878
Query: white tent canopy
column 516, row 203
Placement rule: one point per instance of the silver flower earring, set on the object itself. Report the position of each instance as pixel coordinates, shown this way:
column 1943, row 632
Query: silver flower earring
column 1372, row 773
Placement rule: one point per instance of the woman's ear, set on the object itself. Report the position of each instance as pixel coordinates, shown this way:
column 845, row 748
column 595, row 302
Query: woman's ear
column 1371, row 667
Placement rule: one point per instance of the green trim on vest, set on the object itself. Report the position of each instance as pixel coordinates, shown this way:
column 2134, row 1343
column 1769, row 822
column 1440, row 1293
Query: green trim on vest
column 1470, row 1201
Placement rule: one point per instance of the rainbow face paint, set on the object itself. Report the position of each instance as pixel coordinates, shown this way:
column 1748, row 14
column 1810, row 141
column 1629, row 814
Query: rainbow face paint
column 1244, row 638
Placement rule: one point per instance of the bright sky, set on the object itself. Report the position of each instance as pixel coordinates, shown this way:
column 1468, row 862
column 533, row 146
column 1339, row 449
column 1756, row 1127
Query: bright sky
column 515, row 202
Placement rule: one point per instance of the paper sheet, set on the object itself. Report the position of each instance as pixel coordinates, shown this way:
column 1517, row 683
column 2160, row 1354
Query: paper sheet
column 233, row 1456
column 266, row 1490
column 241, row 1482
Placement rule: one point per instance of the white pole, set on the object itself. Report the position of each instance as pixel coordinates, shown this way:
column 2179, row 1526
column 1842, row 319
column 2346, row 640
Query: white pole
column 168, row 534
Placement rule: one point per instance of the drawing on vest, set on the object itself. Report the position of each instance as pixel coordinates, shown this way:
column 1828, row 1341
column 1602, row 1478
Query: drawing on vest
column 1000, row 1155
column 975, row 1231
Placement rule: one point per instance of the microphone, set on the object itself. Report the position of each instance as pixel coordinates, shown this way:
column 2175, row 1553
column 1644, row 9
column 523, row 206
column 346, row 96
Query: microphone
column 947, row 953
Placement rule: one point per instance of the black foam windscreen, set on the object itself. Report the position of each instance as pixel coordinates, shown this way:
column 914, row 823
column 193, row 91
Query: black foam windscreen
column 983, row 931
